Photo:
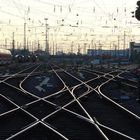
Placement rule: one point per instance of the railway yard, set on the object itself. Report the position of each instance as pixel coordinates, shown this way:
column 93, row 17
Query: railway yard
column 40, row 101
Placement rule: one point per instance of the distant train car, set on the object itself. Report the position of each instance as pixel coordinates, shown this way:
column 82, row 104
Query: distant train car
column 33, row 58
column 23, row 59
column 5, row 56
column 19, row 58
column 27, row 58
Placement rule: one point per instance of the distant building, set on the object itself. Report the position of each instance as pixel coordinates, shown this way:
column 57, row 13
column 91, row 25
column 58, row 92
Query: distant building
column 107, row 53
column 93, row 52
column 134, row 51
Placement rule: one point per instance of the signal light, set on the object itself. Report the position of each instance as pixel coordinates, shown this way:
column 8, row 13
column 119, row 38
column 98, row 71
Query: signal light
column 133, row 14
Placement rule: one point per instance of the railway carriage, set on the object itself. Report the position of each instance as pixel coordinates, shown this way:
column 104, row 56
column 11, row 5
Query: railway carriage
column 19, row 58
column 23, row 59
column 5, row 56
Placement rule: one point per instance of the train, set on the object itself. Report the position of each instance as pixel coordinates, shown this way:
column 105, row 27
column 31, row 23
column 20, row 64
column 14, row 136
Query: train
column 5, row 56
column 19, row 58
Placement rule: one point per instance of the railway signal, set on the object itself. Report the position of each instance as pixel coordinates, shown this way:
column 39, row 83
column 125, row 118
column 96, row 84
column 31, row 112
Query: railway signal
column 137, row 12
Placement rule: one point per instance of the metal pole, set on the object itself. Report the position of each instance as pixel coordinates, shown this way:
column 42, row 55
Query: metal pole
column 118, row 45
column 53, row 47
column 124, row 42
column 24, row 37
column 46, row 45
column 6, row 43
column 79, row 51
column 72, row 47
column 110, row 50
column 27, row 43
column 85, row 48
column 13, row 44
column 38, row 45
column 56, row 48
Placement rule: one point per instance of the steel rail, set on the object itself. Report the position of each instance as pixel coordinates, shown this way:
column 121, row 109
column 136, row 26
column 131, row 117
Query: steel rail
column 105, row 82
column 126, row 110
column 36, row 119
column 15, row 74
column 71, row 112
column 102, row 133
column 113, row 79
column 85, row 118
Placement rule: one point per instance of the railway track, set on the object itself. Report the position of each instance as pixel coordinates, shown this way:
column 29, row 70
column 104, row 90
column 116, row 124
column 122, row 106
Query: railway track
column 132, row 119
column 123, row 91
column 75, row 111
column 117, row 87
column 117, row 122
column 11, row 131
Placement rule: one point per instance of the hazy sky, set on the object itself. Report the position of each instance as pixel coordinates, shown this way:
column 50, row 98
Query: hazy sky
column 81, row 19
column 54, row 10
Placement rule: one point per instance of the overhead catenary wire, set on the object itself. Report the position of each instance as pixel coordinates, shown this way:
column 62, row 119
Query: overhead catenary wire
column 71, row 19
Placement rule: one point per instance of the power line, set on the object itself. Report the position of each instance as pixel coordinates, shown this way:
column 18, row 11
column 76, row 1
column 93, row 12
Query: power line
column 11, row 14
column 19, row 10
